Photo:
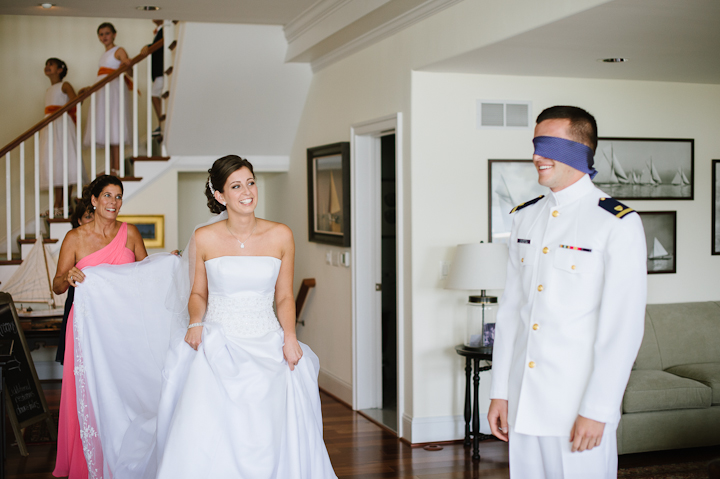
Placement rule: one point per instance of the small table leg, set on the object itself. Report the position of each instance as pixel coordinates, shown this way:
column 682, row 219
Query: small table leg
column 475, row 413
column 468, row 370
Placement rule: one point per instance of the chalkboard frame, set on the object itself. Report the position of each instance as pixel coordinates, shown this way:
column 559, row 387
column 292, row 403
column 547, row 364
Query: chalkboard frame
column 21, row 347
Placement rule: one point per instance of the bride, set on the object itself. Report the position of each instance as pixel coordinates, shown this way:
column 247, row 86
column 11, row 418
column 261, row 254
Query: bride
column 209, row 382
column 240, row 397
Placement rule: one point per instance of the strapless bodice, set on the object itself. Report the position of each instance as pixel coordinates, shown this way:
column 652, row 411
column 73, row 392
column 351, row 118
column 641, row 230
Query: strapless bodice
column 241, row 290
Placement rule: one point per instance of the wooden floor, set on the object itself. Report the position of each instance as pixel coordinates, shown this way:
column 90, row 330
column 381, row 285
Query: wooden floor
column 359, row 449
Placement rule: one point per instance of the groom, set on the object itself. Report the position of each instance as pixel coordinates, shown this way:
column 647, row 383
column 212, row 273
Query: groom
column 571, row 319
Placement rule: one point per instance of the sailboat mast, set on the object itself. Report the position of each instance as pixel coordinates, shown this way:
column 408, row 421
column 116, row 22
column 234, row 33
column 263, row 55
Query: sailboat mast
column 47, row 271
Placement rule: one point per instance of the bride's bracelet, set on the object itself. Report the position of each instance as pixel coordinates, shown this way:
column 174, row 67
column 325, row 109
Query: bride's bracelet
column 195, row 325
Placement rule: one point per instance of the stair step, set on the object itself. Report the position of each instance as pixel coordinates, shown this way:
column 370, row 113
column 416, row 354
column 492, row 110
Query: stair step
column 169, row 71
column 130, row 178
column 150, row 158
column 32, row 241
column 173, row 45
column 57, row 220
column 166, row 95
column 11, row 262
column 163, row 116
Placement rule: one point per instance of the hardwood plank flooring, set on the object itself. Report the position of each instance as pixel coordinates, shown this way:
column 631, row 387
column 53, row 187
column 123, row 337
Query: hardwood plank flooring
column 359, row 449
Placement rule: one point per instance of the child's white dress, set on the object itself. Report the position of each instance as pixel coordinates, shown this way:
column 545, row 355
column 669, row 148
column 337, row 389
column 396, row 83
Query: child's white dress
column 55, row 99
column 109, row 63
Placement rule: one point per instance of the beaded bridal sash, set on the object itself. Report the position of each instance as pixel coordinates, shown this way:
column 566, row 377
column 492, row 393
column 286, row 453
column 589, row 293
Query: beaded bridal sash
column 244, row 315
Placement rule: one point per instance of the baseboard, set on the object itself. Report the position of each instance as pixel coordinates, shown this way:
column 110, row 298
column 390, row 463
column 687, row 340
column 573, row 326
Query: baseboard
column 438, row 429
column 335, row 386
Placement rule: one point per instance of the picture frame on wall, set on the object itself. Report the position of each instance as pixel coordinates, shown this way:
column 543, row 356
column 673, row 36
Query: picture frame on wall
column 151, row 228
column 715, row 206
column 510, row 183
column 661, row 240
column 646, row 168
column 328, row 176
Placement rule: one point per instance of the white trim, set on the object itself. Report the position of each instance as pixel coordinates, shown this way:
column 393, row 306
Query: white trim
column 406, row 19
column 261, row 163
column 335, row 386
column 367, row 376
column 441, row 428
column 308, row 19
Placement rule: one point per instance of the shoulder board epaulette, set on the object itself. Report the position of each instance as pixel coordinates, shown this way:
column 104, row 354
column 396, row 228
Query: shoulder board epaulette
column 527, row 203
column 613, row 206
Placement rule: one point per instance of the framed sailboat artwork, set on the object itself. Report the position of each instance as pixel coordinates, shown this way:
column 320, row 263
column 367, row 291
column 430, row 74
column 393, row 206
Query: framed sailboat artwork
column 328, row 172
column 646, row 168
column 660, row 238
column 510, row 183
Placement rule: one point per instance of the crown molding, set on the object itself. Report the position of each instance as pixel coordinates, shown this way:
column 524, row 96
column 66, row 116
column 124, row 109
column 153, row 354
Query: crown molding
column 308, row 19
column 412, row 16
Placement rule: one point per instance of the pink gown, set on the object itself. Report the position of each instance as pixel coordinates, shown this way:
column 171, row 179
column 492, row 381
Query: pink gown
column 71, row 460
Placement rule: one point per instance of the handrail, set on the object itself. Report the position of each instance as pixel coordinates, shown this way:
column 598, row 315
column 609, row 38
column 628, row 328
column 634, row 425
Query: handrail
column 80, row 98
column 305, row 287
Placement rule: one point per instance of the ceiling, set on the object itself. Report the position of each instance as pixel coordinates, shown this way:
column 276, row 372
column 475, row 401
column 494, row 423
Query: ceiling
column 663, row 40
column 266, row 12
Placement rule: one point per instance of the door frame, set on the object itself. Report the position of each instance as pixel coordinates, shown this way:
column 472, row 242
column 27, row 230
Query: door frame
column 366, row 259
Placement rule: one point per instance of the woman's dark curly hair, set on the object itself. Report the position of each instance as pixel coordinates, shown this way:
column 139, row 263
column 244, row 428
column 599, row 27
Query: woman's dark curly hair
column 218, row 175
column 96, row 187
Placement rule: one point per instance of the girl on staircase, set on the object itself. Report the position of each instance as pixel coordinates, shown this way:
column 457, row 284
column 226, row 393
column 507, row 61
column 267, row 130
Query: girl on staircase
column 113, row 58
column 59, row 94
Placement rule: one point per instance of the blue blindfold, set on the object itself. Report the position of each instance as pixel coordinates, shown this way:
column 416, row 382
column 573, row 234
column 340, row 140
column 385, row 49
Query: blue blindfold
column 576, row 155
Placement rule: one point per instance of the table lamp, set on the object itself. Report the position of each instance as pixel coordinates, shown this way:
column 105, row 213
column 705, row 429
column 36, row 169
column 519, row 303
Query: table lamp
column 479, row 266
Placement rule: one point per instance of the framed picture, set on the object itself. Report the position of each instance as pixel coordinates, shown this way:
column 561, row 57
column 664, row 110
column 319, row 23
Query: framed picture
column 328, row 173
column 715, row 206
column 660, row 238
column 151, row 227
column 510, row 183
column 646, row 168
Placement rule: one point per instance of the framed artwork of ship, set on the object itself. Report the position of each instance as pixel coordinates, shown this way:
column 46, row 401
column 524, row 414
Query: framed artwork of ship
column 715, row 206
column 646, row 168
column 660, row 237
column 328, row 171
column 510, row 183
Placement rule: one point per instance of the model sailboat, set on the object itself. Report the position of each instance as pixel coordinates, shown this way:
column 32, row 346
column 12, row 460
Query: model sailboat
column 32, row 282
column 658, row 251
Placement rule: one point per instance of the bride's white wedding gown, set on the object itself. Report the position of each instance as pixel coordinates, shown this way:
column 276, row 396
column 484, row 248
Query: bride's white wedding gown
column 151, row 406
column 233, row 409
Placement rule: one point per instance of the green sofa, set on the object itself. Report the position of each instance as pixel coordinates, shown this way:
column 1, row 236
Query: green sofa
column 672, row 399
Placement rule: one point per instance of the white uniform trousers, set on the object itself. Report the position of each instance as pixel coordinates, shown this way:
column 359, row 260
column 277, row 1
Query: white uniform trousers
column 550, row 457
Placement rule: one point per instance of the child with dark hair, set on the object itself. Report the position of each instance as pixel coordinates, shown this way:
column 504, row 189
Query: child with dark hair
column 59, row 94
column 111, row 60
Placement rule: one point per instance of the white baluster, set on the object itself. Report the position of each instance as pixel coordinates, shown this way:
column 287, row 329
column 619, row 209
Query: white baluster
column 66, row 207
column 8, row 206
column 22, row 190
column 121, row 124
column 93, row 148
column 149, row 106
column 37, row 184
column 51, row 178
column 107, row 128
column 78, row 151
column 135, row 111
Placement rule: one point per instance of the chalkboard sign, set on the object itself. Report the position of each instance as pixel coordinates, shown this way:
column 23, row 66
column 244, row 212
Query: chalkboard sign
column 24, row 397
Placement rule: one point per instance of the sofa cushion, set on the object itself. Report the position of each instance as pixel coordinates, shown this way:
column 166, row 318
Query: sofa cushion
column 652, row 390
column 706, row 373
column 686, row 333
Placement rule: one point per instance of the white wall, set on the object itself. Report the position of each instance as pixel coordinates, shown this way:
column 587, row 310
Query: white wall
column 450, row 166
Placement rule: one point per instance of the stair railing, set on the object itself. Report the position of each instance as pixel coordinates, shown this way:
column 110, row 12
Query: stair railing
column 63, row 115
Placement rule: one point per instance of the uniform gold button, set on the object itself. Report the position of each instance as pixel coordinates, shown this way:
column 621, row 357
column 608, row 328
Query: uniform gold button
column 522, row 260
column 602, row 199
column 531, row 364
column 536, row 327
column 546, row 250
column 573, row 266
column 540, row 288
column 555, row 213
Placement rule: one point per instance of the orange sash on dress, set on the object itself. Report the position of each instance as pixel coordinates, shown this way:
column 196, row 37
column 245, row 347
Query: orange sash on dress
column 49, row 110
column 107, row 71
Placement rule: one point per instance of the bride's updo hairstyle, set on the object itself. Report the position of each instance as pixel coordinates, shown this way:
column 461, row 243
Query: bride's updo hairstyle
column 218, row 175
column 96, row 187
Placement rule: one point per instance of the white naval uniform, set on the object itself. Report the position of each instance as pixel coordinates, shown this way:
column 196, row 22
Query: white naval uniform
column 571, row 319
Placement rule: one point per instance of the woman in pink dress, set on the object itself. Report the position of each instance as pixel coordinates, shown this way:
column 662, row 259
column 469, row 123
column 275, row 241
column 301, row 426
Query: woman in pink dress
column 103, row 241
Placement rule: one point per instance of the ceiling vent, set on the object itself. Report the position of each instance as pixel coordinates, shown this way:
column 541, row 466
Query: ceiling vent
column 503, row 114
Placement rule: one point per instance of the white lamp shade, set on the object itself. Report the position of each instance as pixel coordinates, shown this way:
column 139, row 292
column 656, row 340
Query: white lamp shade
column 478, row 266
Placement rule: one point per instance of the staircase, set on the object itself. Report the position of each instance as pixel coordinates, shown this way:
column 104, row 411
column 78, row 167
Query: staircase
column 135, row 172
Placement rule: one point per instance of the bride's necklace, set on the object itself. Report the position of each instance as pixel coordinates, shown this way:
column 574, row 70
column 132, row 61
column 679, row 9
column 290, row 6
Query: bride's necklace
column 242, row 243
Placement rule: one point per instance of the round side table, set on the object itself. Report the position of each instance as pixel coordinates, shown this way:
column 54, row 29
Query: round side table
column 473, row 356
